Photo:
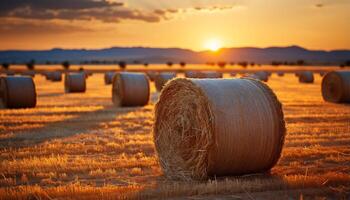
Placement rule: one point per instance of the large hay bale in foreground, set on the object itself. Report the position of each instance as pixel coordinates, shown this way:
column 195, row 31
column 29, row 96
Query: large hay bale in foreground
column 17, row 92
column 306, row 77
column 336, row 87
column 130, row 89
column 109, row 77
column 162, row 79
column 216, row 127
column 74, row 82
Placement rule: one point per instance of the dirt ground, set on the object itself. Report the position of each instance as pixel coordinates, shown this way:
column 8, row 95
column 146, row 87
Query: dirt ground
column 80, row 146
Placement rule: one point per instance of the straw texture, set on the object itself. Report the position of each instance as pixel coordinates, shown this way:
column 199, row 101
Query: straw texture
column 130, row 89
column 336, row 87
column 109, row 77
column 74, row 82
column 162, row 78
column 17, row 92
column 207, row 127
column 306, row 77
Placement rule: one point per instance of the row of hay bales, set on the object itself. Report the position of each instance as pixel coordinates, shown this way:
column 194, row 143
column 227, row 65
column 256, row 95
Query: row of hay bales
column 20, row 91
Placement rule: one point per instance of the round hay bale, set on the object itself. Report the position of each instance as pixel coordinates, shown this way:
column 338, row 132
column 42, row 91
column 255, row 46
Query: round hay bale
column 280, row 74
column 207, row 127
column 262, row 76
column 130, row 89
column 74, row 82
column 162, row 79
column 17, row 92
column 53, row 76
column 210, row 74
column 9, row 73
column 152, row 75
column 233, row 74
column 336, row 87
column 192, row 74
column 109, row 77
column 306, row 77
column 29, row 73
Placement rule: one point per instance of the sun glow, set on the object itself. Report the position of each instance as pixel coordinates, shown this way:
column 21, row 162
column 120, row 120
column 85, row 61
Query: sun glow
column 213, row 44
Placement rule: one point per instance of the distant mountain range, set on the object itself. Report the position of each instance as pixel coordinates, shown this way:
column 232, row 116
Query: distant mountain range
column 162, row 55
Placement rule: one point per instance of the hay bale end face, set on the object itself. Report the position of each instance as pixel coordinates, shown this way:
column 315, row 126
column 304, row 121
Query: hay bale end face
column 109, row 77
column 74, row 82
column 206, row 127
column 336, row 87
column 130, row 89
column 17, row 92
column 162, row 79
column 306, row 77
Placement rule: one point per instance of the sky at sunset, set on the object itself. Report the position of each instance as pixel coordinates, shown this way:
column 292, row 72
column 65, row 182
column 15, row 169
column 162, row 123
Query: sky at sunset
column 193, row 24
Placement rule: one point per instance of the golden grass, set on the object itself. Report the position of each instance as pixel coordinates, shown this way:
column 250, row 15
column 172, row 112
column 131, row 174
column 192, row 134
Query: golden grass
column 79, row 146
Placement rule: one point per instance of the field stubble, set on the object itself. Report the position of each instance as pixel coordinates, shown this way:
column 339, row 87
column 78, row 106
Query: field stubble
column 80, row 146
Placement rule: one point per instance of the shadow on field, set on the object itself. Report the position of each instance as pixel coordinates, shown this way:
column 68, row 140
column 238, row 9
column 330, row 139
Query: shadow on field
column 56, row 94
column 73, row 126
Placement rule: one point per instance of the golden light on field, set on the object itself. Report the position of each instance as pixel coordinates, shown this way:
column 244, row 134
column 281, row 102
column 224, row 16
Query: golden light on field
column 213, row 44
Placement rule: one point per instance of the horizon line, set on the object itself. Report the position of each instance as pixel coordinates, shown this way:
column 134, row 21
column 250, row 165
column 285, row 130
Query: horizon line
column 157, row 47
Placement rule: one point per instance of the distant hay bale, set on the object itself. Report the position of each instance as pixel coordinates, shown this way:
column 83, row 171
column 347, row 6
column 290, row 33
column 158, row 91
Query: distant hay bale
column 162, row 79
column 152, row 75
column 17, row 92
column 233, row 74
column 203, row 74
column 130, row 89
column 54, row 76
column 9, row 73
column 74, row 82
column 29, row 73
column 262, row 76
column 336, row 87
column 191, row 74
column 306, row 77
column 210, row 74
column 109, row 77
column 216, row 127
column 280, row 74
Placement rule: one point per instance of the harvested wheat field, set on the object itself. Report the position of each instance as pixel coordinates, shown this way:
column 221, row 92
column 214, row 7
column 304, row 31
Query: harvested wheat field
column 80, row 146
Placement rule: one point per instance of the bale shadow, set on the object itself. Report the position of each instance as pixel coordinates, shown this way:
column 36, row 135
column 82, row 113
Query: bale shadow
column 73, row 126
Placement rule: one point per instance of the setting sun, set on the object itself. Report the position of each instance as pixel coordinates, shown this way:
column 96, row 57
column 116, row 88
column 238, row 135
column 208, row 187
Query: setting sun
column 213, row 45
